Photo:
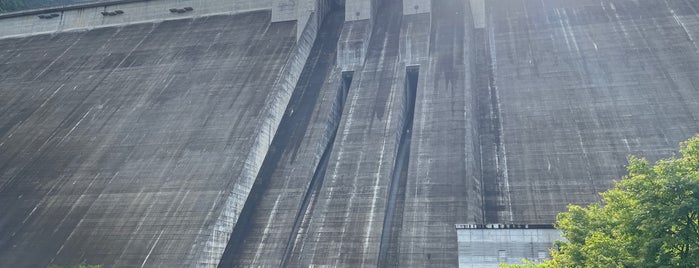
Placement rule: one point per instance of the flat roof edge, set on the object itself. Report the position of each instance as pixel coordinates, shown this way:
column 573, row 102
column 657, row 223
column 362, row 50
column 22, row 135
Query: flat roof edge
column 39, row 11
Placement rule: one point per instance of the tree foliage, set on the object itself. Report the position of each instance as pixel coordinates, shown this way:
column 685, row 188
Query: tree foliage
column 649, row 219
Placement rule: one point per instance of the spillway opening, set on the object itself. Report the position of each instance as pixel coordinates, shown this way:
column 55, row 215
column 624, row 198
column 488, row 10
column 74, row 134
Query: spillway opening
column 393, row 218
column 347, row 77
column 309, row 199
column 336, row 4
column 328, row 6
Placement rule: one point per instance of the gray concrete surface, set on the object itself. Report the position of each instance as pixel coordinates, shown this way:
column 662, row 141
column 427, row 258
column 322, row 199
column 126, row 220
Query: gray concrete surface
column 283, row 190
column 88, row 17
column 346, row 224
column 119, row 144
column 273, row 109
column 353, row 44
column 478, row 13
column 443, row 186
column 579, row 86
column 360, row 9
column 416, row 7
column 175, row 143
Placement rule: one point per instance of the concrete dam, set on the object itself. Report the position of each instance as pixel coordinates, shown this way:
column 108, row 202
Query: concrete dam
column 327, row 133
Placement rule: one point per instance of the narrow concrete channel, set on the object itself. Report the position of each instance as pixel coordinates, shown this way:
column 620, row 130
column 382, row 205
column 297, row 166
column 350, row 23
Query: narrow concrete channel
column 296, row 122
column 393, row 219
column 309, row 199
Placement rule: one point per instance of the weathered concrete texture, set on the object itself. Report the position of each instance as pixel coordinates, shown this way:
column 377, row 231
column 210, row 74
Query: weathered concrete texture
column 353, row 44
column 13, row 6
column 302, row 11
column 273, row 109
column 582, row 84
column 142, row 145
column 487, row 247
column 443, row 186
column 360, row 9
column 120, row 145
column 133, row 12
column 478, row 13
column 274, row 211
column 416, row 7
column 346, row 224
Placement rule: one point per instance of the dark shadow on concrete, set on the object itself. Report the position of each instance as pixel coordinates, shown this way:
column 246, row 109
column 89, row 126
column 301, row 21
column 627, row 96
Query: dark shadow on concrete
column 393, row 219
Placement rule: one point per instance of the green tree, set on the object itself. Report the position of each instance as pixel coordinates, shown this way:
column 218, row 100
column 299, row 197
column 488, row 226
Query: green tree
column 649, row 219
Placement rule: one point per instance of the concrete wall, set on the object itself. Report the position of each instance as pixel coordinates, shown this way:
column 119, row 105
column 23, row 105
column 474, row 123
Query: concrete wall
column 134, row 102
column 359, row 9
column 154, row 10
column 274, row 109
column 580, row 86
column 89, row 16
column 485, row 248
column 300, row 10
column 360, row 165
column 478, row 13
column 352, row 47
column 354, row 41
column 284, row 10
column 416, row 6
column 274, row 213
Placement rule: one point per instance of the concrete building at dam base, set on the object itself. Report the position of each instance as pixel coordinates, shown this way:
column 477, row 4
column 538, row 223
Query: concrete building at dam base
column 328, row 133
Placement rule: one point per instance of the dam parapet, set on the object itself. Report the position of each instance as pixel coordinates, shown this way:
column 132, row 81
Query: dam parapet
column 124, row 12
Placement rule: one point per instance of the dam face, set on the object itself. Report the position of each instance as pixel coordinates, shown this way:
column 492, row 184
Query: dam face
column 327, row 133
